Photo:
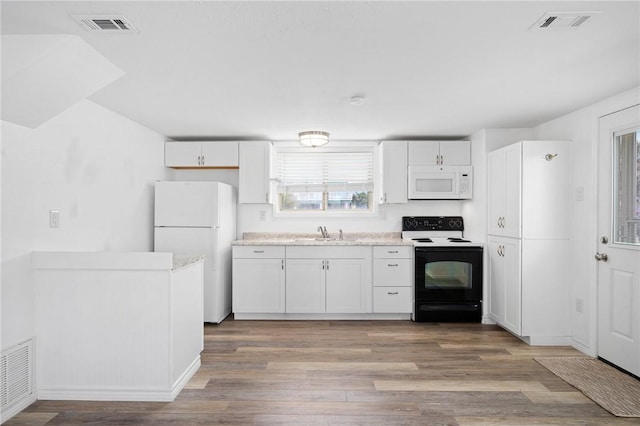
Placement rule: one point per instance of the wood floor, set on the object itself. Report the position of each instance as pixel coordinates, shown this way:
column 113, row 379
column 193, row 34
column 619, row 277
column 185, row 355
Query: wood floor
column 355, row 373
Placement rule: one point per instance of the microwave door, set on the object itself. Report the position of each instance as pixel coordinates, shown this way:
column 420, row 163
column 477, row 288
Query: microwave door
column 424, row 185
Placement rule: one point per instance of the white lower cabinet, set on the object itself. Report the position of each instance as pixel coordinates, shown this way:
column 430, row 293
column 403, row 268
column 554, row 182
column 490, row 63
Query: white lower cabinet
column 258, row 279
column 328, row 279
column 393, row 279
column 528, row 294
column 505, row 288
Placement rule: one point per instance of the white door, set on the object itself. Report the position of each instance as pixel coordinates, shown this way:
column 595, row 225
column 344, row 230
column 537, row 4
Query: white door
column 619, row 239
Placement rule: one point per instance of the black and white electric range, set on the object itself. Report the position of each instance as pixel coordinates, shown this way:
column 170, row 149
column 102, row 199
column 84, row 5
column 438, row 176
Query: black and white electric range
column 448, row 269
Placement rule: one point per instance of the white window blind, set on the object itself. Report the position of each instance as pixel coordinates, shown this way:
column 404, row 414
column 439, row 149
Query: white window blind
column 313, row 171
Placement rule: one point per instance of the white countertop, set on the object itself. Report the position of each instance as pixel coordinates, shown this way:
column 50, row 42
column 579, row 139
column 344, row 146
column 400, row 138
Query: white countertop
column 301, row 239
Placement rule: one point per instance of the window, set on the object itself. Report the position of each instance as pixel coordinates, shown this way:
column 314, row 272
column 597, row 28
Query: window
column 627, row 187
column 325, row 180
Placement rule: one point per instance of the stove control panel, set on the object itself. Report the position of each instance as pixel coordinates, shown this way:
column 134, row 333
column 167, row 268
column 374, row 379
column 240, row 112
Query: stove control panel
column 432, row 223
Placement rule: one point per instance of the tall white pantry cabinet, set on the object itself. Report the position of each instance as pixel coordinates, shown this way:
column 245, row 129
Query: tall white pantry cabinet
column 529, row 196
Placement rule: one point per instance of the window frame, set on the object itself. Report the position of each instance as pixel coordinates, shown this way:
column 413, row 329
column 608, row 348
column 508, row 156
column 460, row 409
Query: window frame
column 333, row 146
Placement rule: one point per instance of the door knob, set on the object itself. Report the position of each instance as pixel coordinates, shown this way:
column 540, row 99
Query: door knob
column 602, row 256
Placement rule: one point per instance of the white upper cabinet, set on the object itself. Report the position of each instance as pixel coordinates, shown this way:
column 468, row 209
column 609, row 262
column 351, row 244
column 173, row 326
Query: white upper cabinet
column 505, row 195
column 201, row 154
column 529, row 190
column 393, row 157
column 439, row 153
column 255, row 172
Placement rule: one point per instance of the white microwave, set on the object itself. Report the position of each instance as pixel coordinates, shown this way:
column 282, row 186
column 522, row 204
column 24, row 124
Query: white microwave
column 440, row 182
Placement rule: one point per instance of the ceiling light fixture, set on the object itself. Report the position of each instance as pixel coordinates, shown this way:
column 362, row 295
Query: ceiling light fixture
column 313, row 138
column 356, row 100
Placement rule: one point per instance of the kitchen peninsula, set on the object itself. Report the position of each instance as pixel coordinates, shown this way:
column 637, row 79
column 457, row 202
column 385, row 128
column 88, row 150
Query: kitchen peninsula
column 117, row 326
column 304, row 276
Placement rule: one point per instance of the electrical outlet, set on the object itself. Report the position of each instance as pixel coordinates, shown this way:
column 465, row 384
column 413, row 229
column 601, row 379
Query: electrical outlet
column 54, row 218
column 263, row 215
column 580, row 193
column 579, row 305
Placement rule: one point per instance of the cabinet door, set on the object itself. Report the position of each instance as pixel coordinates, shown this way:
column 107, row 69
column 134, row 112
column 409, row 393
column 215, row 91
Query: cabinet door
column 423, row 153
column 345, row 289
column 495, row 188
column 254, row 174
column 497, row 281
column 394, row 172
column 455, row 153
column 512, row 285
column 546, row 189
column 305, row 284
column 505, row 285
column 219, row 154
column 258, row 286
column 182, row 154
column 512, row 191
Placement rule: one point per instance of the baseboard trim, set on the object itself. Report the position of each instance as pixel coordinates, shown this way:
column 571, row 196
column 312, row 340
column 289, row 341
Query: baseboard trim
column 335, row 317
column 148, row 394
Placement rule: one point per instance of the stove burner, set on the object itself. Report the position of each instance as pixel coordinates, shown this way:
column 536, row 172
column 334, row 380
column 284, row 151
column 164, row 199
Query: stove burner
column 458, row 240
column 423, row 240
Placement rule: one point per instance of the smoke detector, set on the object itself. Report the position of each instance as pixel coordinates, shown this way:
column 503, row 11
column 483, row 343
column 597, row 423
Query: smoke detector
column 562, row 20
column 105, row 23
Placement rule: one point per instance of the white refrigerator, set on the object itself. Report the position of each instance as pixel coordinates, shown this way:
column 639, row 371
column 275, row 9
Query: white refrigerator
column 200, row 218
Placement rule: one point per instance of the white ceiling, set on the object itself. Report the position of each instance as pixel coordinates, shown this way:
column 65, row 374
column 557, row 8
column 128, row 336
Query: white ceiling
column 272, row 69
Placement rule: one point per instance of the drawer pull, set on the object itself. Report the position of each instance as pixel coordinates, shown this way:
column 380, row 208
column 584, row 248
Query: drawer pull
column 258, row 251
column 392, row 251
column 392, row 293
column 392, row 264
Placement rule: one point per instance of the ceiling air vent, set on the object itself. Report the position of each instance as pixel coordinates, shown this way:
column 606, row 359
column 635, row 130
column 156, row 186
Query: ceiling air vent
column 105, row 23
column 562, row 20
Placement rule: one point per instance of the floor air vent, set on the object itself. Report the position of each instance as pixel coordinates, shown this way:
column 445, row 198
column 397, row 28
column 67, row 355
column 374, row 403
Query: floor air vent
column 15, row 374
column 104, row 23
column 562, row 20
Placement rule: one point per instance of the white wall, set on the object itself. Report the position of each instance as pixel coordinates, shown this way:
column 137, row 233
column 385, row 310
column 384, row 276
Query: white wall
column 581, row 127
column 94, row 166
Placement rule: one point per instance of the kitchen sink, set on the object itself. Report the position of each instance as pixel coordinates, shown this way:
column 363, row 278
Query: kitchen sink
column 315, row 239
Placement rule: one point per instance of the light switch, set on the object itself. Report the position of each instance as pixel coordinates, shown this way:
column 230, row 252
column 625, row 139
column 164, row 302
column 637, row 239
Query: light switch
column 54, row 218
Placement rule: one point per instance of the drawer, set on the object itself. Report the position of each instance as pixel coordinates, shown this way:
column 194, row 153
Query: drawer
column 393, row 252
column 258, row 252
column 392, row 300
column 328, row 252
column 392, row 272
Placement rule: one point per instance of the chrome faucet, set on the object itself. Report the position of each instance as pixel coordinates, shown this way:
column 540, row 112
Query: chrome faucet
column 323, row 231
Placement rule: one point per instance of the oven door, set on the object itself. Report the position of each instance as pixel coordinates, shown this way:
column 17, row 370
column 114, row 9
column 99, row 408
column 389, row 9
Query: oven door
column 448, row 274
